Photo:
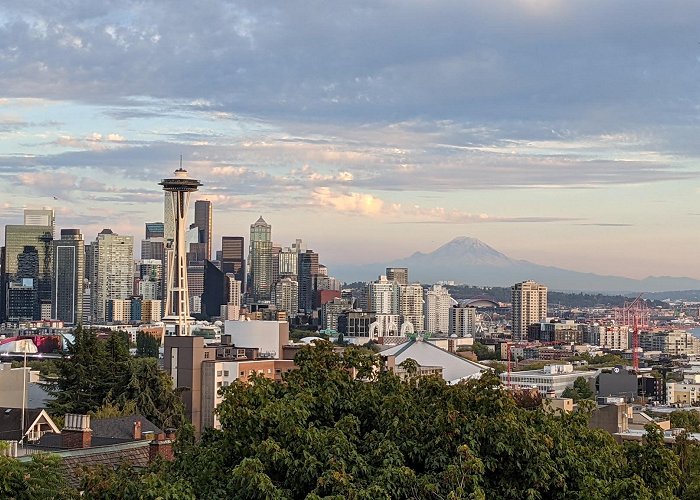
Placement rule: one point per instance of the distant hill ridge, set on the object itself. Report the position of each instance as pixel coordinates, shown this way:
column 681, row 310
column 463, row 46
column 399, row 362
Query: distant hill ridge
column 469, row 260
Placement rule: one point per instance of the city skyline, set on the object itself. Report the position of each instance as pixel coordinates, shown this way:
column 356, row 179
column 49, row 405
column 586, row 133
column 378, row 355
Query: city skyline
column 559, row 132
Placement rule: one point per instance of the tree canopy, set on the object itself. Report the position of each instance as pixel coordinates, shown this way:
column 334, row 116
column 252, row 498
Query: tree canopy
column 99, row 372
column 324, row 434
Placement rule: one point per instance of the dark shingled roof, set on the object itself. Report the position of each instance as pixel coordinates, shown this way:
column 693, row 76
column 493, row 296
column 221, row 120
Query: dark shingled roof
column 121, row 427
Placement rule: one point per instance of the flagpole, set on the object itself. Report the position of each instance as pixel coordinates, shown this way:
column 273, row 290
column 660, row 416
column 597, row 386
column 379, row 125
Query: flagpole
column 24, row 394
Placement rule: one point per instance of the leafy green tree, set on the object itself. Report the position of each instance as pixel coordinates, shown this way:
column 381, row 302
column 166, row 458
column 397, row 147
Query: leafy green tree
column 147, row 345
column 581, row 390
column 654, row 463
column 324, row 433
column 97, row 375
column 155, row 483
column 688, row 420
column 41, row 477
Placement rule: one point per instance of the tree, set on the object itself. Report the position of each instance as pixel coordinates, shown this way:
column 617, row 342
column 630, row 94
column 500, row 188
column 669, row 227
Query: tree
column 39, row 478
column 323, row 433
column 101, row 375
column 147, row 345
column 655, row 464
column 688, row 420
column 581, row 390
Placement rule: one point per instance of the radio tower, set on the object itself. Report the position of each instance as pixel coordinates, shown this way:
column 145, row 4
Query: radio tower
column 635, row 315
column 177, row 301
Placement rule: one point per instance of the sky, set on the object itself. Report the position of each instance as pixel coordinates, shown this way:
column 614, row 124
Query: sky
column 563, row 132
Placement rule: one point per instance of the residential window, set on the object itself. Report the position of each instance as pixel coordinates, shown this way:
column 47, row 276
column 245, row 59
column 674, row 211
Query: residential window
column 218, row 373
column 206, row 354
column 225, row 373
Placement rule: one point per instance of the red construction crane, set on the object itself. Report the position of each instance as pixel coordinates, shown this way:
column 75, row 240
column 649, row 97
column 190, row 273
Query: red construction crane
column 635, row 315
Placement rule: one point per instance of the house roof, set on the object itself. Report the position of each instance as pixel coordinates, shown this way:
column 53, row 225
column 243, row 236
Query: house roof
column 454, row 368
column 121, row 427
column 11, row 422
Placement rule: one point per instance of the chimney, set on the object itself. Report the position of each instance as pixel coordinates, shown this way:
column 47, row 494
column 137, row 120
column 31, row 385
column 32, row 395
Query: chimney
column 137, row 430
column 161, row 447
column 76, row 431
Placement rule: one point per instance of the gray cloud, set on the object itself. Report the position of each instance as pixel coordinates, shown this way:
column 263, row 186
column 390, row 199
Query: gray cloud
column 588, row 63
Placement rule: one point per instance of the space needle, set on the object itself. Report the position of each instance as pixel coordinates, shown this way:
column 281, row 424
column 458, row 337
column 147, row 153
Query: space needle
column 177, row 199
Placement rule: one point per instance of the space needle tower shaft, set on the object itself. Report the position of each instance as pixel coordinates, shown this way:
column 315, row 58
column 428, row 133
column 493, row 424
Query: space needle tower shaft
column 177, row 200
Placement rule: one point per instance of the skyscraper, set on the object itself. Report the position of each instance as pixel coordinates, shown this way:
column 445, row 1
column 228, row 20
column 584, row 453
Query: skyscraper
column 232, row 258
column 287, row 296
column 411, row 306
column 201, row 250
column 462, row 321
column 529, row 305
column 437, row 309
column 68, row 275
column 40, row 217
column 308, row 269
column 155, row 230
column 260, row 260
column 398, row 274
column 114, row 256
column 28, row 260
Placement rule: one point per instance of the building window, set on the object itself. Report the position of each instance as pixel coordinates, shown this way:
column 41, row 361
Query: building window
column 218, row 384
column 225, row 373
column 218, row 373
column 242, row 374
column 206, row 355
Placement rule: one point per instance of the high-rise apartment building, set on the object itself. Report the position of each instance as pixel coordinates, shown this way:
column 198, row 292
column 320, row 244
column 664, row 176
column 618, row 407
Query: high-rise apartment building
column 287, row 296
column 398, row 274
column 437, row 309
column 233, row 297
column 288, row 262
column 383, row 296
column 27, row 262
column 529, row 305
column 308, row 269
column 260, row 254
column 462, row 321
column 233, row 258
column 114, row 256
column 411, row 306
column 68, row 275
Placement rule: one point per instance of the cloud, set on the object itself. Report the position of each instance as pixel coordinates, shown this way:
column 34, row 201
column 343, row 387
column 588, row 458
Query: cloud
column 348, row 203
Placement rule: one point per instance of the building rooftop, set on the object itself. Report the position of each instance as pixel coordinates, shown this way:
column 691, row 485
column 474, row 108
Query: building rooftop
column 454, row 368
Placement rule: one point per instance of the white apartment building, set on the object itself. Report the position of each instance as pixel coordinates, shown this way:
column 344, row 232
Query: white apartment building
column 673, row 343
column 529, row 303
column 438, row 303
column 609, row 336
column 287, row 296
column 114, row 256
column 462, row 321
column 411, row 306
column 383, row 296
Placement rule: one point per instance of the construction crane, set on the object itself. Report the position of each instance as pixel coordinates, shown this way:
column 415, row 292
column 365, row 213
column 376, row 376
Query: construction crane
column 635, row 315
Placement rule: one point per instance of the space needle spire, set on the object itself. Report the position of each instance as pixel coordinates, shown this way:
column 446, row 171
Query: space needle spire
column 177, row 199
